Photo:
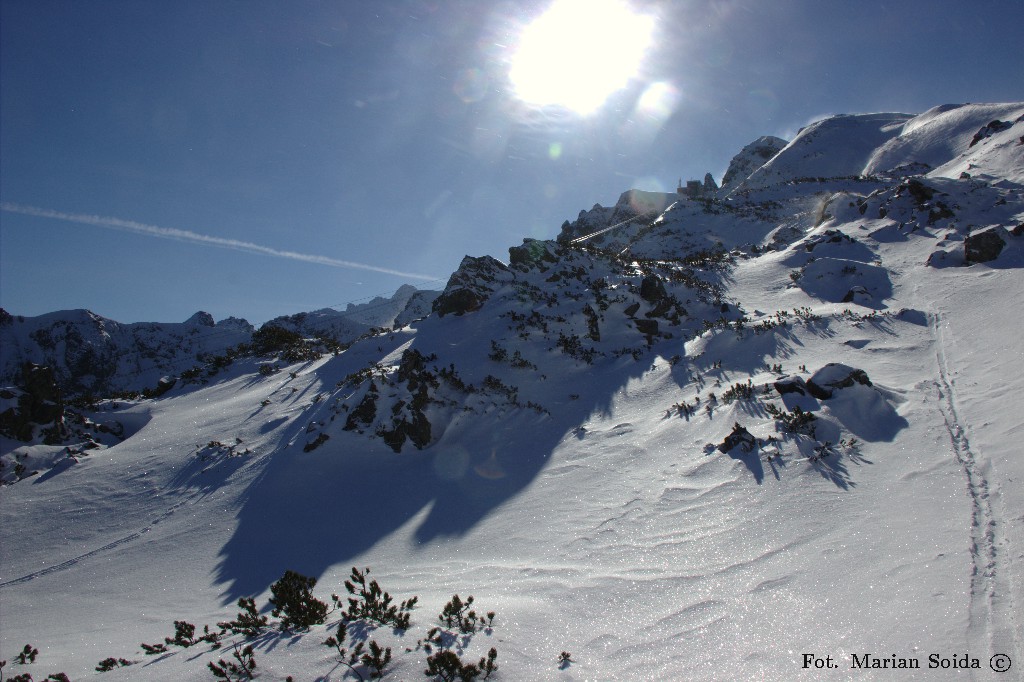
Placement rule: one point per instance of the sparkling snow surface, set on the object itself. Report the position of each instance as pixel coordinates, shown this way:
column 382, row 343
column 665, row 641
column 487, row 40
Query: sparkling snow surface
column 609, row 527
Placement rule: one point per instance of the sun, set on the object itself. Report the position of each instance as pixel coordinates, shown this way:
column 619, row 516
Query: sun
column 579, row 52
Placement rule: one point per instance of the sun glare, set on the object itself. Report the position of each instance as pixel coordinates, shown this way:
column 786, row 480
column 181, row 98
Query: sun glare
column 579, row 52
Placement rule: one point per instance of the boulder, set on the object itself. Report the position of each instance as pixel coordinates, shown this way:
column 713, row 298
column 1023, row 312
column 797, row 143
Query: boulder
column 739, row 436
column 652, row 289
column 833, row 376
column 985, row 245
column 791, row 384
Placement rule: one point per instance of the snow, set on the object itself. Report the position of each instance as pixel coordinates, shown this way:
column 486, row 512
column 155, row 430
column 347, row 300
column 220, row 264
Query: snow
column 606, row 523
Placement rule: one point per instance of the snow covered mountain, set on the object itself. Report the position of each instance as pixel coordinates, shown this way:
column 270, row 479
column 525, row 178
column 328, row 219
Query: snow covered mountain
column 748, row 434
column 91, row 354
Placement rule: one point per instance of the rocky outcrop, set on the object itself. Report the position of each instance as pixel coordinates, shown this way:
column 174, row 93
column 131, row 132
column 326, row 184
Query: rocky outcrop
column 739, row 437
column 985, row 245
column 750, row 158
column 471, row 285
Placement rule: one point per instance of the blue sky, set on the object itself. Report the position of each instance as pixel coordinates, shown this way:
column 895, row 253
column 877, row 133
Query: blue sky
column 262, row 158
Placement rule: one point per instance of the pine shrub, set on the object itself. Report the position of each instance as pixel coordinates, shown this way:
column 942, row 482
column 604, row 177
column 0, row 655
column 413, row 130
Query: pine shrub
column 370, row 602
column 248, row 622
column 108, row 664
column 458, row 614
column 796, row 421
column 448, row 667
column 376, row 660
column 28, row 655
column 153, row 649
column 235, row 672
column 294, row 602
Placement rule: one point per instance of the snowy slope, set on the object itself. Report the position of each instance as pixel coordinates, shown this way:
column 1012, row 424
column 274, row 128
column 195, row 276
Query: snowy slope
column 553, row 440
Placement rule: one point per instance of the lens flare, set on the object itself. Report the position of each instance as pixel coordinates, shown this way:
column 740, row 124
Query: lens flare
column 579, row 52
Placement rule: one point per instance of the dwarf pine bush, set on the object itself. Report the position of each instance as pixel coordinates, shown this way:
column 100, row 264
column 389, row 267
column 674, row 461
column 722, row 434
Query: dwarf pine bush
column 375, row 660
column 248, row 622
column 28, row 655
column 235, row 672
column 447, row 666
column 108, row 664
column 294, row 602
column 370, row 602
column 458, row 614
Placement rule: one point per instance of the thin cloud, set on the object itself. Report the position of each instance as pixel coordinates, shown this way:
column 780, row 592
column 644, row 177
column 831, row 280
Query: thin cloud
column 195, row 238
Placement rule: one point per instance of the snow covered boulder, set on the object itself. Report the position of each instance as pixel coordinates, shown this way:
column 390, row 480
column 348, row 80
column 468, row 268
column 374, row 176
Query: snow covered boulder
column 985, row 245
column 791, row 384
column 832, row 279
column 833, row 376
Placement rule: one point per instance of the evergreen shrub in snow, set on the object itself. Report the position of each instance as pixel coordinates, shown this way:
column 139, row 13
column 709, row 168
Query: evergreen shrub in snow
column 294, row 602
column 235, row 672
column 248, row 622
column 370, row 602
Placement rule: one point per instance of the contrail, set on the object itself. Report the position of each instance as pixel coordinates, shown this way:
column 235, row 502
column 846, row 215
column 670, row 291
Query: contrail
column 195, row 238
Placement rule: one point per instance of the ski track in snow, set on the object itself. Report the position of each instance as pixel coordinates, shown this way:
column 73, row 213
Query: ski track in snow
column 99, row 550
column 991, row 621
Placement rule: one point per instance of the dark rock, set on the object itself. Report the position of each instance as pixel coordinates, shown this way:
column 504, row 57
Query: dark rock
column 652, row 289
column 632, row 309
column 471, row 285
column 791, row 384
column 457, row 302
column 532, row 254
column 990, row 129
column 165, row 384
column 1018, row 231
column 365, row 411
column 202, row 319
column 851, row 295
column 984, row 245
column 739, row 436
column 833, row 376
column 647, row 327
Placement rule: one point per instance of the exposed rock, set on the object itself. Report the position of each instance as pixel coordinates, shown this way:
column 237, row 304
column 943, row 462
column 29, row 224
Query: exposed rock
column 647, row 327
column 471, row 285
column 632, row 309
column 750, row 158
column 365, row 411
column 652, row 289
column 833, row 376
column 854, row 292
column 201, row 319
column 791, row 384
column 533, row 253
column 985, row 245
column 739, row 436
column 992, row 128
column 458, row 302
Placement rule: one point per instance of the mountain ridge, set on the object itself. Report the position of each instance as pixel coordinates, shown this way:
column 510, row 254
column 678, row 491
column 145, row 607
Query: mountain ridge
column 648, row 441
